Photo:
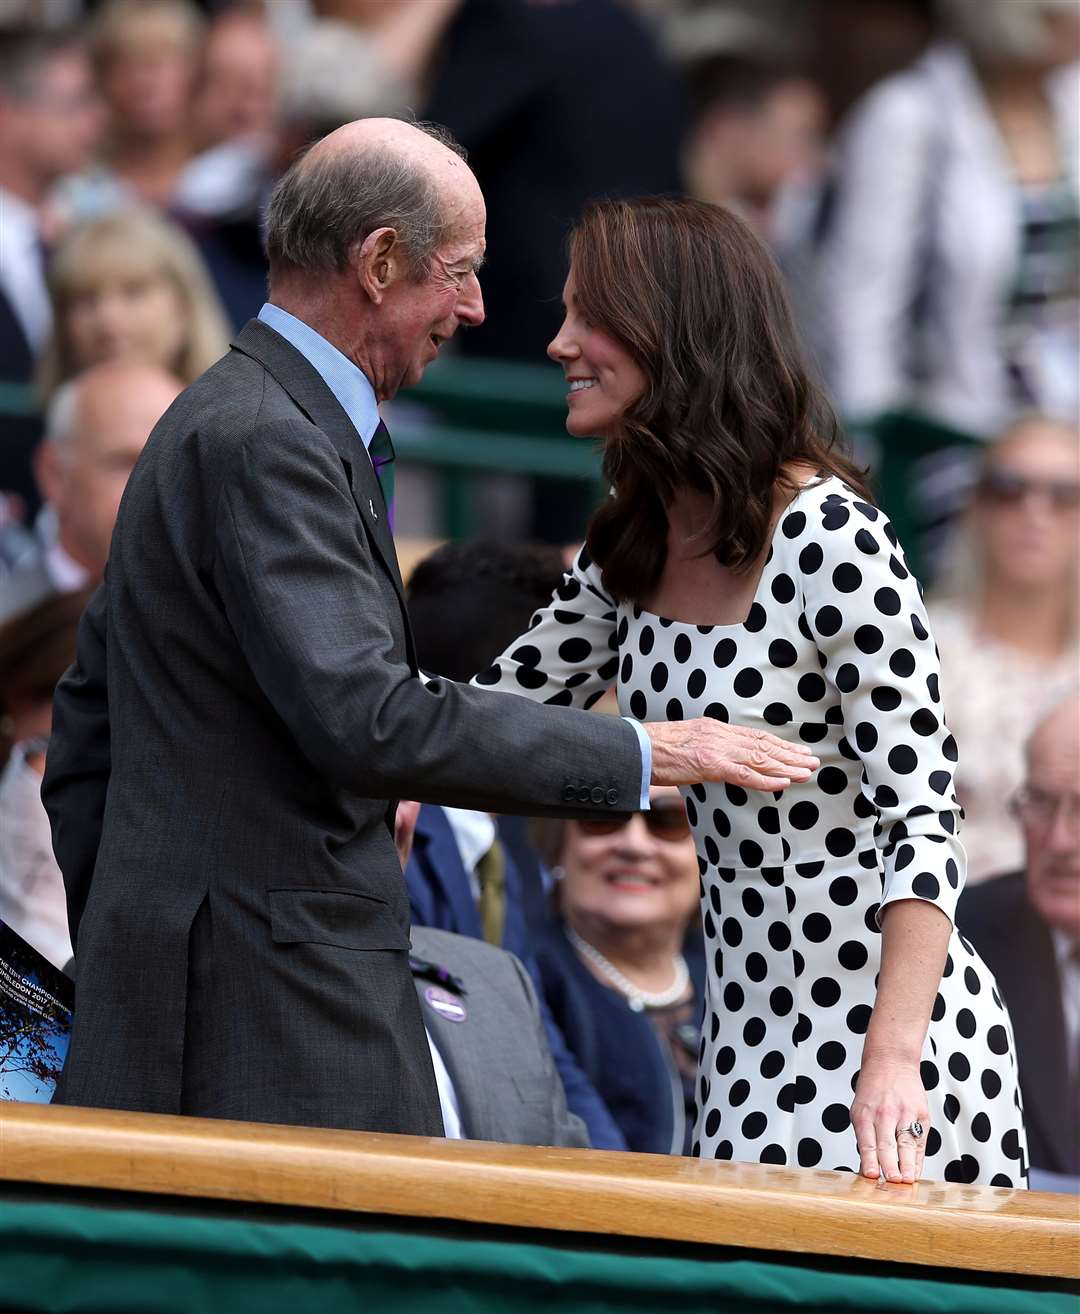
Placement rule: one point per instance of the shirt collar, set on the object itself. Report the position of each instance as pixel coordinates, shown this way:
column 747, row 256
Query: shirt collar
column 345, row 380
column 474, row 833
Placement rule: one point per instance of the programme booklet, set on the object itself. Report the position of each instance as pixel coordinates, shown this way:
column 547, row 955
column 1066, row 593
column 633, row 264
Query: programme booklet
column 36, row 1002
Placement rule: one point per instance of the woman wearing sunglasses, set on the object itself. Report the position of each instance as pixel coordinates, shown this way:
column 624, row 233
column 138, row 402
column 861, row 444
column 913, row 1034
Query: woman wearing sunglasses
column 1005, row 618
column 741, row 571
column 622, row 979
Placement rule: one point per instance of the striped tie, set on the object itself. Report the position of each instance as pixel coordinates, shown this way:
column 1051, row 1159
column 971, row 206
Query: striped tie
column 381, row 450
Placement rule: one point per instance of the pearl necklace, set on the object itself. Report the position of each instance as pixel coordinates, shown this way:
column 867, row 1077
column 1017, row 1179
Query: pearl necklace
column 638, row 999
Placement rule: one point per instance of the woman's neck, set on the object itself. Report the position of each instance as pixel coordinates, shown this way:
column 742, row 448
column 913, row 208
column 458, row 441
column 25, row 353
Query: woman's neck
column 1035, row 621
column 644, row 955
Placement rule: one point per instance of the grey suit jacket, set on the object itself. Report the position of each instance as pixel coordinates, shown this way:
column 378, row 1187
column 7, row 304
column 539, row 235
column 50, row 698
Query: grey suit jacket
column 226, row 752
column 494, row 1044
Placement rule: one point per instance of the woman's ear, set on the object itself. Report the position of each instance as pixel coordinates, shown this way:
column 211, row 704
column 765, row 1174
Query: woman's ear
column 378, row 263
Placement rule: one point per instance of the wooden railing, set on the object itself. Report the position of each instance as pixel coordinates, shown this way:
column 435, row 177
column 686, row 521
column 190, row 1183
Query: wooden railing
column 980, row 1229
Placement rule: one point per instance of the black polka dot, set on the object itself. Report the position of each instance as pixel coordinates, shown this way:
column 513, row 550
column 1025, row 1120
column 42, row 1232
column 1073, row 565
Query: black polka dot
column 885, row 698
column 769, row 820
column 918, row 628
column 866, row 542
column 831, row 780
column 846, row 577
column 748, row 682
column 926, row 885
column 732, row 932
column 638, row 706
column 887, row 601
column 923, row 721
column 793, row 524
column 980, row 1127
column 529, row 678
column 965, row 1169
column 682, row 648
column 868, row 638
column 831, row 1055
column 751, row 854
column 712, row 1122
column 772, row 1064
column 658, row 677
column 931, row 1077
column 724, row 653
column 810, row 558
column 959, row 1066
column 998, row 1040
column 777, row 714
column 971, row 977
column 805, row 1090
column 866, row 737
column 847, row 678
column 903, row 759
column 811, row 687
column 835, row 1118
column 754, row 1124
column 965, row 1023
column 775, row 1154
column 783, row 588
column 808, row 1152
column 646, row 639
column 839, row 842
column 938, row 1010
column 756, row 968
column 902, row 663
column 803, row 1030
column 951, row 1107
column 858, row 1019
column 933, row 687
column 781, row 1001
column 817, row 928
column 782, row 653
column 674, row 710
column 717, row 711
column 990, row 1083
column 949, row 750
column 575, row 650
column 852, row 955
column 825, row 992
column 695, row 683
column 1010, row 1144
column 803, row 815
column 733, row 997
column 779, row 936
column 739, row 1093
column 725, row 1059
column 828, row 621
column 843, row 891
column 754, row 1032
column 752, row 902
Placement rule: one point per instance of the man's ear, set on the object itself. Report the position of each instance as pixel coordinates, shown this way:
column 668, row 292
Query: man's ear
column 378, row 263
column 48, row 470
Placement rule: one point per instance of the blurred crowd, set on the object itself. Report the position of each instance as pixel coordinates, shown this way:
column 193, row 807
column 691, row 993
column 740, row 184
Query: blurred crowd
column 914, row 166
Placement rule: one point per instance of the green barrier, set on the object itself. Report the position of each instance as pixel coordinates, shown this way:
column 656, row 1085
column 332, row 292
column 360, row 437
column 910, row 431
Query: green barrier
column 184, row 1258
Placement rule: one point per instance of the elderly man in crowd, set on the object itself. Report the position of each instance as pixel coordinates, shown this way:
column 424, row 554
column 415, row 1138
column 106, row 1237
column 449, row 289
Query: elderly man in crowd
column 95, row 429
column 246, row 707
column 1026, row 925
column 50, row 123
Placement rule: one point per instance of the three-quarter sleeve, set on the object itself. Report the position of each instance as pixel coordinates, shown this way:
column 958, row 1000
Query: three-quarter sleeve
column 569, row 656
column 866, row 613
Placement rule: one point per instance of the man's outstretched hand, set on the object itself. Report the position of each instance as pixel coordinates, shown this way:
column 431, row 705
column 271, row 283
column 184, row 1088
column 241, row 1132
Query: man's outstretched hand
column 685, row 752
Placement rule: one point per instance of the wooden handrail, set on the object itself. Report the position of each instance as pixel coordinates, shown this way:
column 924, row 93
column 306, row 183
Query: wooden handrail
column 807, row 1211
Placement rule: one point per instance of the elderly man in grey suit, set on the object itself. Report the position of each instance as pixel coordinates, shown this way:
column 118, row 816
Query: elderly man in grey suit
column 245, row 707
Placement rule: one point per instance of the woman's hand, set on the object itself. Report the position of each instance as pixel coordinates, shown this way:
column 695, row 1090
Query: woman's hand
column 686, row 752
column 889, row 1097
column 405, row 829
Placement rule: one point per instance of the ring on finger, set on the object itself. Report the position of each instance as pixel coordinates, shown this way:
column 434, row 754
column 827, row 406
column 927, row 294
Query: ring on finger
column 914, row 1129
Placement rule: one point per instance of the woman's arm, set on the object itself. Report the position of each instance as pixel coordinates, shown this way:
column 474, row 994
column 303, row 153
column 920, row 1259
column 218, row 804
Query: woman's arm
column 890, row 1094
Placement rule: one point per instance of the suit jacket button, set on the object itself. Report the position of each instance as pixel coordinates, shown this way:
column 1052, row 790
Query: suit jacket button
column 597, row 795
column 583, row 794
column 612, row 797
column 569, row 794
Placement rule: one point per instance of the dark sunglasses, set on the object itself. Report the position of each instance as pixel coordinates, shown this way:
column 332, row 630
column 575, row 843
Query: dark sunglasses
column 666, row 819
column 1006, row 487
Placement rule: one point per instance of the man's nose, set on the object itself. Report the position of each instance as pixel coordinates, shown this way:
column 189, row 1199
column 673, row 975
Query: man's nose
column 470, row 307
column 1064, row 833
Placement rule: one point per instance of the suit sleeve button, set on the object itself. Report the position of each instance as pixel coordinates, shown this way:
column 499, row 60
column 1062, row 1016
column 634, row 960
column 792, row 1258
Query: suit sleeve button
column 583, row 794
column 612, row 797
column 569, row 794
column 597, row 795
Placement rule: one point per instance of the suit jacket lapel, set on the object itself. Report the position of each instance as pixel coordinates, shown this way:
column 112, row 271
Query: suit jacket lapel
column 458, row 1053
column 309, row 391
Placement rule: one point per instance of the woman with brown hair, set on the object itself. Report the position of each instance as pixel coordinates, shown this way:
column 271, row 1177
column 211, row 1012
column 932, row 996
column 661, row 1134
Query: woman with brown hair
column 740, row 570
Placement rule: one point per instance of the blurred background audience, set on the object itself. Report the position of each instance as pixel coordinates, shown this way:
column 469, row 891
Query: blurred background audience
column 1005, row 620
column 912, row 164
column 1026, row 925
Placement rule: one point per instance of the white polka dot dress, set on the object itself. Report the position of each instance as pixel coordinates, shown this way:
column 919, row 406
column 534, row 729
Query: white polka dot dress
column 836, row 652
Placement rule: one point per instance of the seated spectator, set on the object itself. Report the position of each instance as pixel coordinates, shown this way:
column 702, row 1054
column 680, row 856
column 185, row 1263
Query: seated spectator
column 1005, row 620
column 1026, row 925
column 496, row 1077
column 50, row 123
column 469, row 872
column 756, row 128
column 35, row 650
column 97, row 426
column 148, row 54
column 624, row 984
column 131, row 286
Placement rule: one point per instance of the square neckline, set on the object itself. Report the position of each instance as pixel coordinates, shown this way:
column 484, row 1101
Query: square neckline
column 668, row 621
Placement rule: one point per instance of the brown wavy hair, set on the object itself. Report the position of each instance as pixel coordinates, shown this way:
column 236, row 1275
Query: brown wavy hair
column 695, row 298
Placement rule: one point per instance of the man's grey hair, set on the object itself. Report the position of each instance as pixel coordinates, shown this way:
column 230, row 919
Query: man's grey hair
column 61, row 416
column 321, row 209
column 1004, row 31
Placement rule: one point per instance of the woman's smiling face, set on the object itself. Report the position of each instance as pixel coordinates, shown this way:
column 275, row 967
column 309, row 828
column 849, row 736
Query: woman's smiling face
column 604, row 378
